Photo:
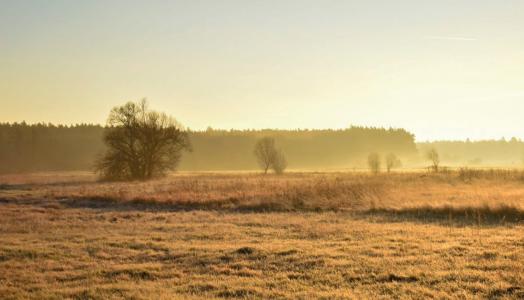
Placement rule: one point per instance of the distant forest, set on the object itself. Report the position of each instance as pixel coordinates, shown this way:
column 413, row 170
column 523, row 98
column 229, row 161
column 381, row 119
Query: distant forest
column 304, row 149
column 47, row 147
column 490, row 153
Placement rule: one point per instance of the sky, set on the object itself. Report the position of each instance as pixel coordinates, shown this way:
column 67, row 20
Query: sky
column 447, row 69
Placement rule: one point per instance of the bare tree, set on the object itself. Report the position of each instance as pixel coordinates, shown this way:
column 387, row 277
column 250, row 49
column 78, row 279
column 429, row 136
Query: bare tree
column 392, row 161
column 432, row 155
column 265, row 153
column 374, row 163
column 141, row 143
column 279, row 162
column 269, row 157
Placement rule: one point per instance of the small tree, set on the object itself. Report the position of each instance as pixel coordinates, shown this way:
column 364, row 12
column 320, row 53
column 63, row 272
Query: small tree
column 392, row 161
column 374, row 163
column 433, row 157
column 279, row 162
column 269, row 157
column 265, row 153
column 141, row 143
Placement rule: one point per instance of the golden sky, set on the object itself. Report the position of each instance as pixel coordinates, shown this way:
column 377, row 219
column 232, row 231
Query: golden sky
column 441, row 69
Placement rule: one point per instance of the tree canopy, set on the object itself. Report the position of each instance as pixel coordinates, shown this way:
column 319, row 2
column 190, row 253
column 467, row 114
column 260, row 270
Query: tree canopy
column 141, row 143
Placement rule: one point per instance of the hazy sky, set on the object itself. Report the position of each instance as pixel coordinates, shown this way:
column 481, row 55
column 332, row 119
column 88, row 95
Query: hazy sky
column 441, row 69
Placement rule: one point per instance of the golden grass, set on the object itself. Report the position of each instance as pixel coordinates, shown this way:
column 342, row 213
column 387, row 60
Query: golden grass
column 301, row 235
column 493, row 190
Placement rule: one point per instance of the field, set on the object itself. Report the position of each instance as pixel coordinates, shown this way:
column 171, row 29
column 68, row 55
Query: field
column 457, row 234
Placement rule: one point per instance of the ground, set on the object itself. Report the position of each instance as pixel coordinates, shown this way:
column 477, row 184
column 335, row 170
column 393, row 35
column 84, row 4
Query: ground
column 243, row 235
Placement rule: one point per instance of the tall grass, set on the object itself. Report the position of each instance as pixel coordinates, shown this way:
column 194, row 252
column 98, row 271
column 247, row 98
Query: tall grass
column 496, row 193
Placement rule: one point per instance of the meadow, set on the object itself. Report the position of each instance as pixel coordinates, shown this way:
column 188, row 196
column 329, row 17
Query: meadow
column 331, row 235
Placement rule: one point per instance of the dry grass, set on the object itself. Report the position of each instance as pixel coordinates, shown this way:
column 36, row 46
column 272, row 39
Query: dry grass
column 458, row 192
column 302, row 235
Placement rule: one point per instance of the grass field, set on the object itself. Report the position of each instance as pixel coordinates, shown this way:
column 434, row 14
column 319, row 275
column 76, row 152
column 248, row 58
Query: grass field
column 458, row 234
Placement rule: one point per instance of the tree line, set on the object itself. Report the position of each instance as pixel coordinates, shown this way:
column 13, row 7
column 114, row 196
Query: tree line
column 502, row 152
column 47, row 147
